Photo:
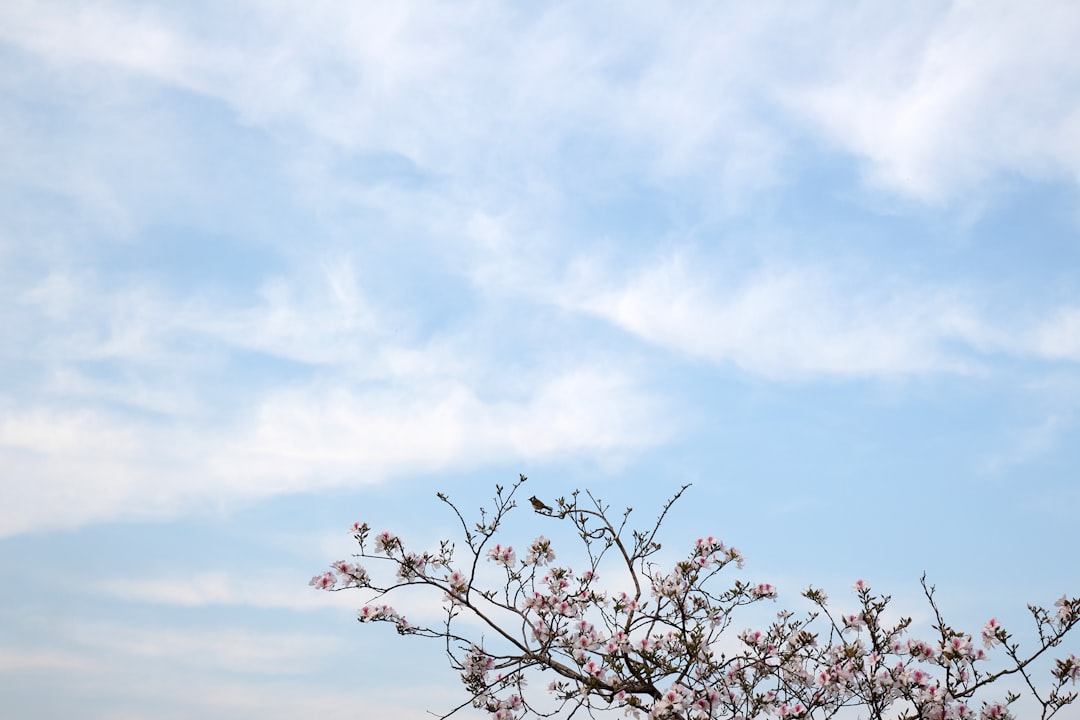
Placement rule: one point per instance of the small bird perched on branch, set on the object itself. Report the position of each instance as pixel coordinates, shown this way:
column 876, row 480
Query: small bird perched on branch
column 539, row 505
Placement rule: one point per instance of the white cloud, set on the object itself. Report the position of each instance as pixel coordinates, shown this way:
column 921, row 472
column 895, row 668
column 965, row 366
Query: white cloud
column 78, row 32
column 208, row 589
column 1058, row 336
column 783, row 321
column 117, row 670
column 936, row 101
column 171, row 668
column 53, row 661
column 476, row 94
column 331, row 435
column 938, row 104
column 264, row 652
column 378, row 406
column 67, row 468
column 422, row 605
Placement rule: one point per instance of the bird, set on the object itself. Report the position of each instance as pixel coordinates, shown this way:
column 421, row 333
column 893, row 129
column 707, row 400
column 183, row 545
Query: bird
column 539, row 505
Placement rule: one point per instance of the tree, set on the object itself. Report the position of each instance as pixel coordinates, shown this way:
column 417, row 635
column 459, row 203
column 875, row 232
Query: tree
column 658, row 642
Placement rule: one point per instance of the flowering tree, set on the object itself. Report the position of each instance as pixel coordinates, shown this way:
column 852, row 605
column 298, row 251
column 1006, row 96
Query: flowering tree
column 656, row 641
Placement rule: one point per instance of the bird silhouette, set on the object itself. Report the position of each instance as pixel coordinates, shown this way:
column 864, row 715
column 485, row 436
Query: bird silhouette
column 539, row 505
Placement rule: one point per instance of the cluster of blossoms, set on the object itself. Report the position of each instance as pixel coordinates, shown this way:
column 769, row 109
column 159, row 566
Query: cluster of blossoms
column 476, row 665
column 385, row 613
column 1068, row 669
column 476, row 673
column 458, row 584
column 673, row 702
column 369, row 613
column 707, row 557
column 708, row 551
column 763, row 590
column 992, row 634
column 540, row 552
column 503, row 555
column 386, row 542
column 1066, row 609
column 341, row 575
column 655, row 649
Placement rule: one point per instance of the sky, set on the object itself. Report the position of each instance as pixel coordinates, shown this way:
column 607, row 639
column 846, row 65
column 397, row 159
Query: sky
column 269, row 268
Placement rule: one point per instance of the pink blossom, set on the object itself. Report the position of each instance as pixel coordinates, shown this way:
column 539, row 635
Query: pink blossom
column 326, row 581
column 754, row 638
column 920, row 648
column 855, row 622
column 386, row 542
column 957, row 647
column 595, row 670
column 350, row 574
column 764, row 590
column 366, row 613
column 672, row 701
column 1067, row 669
column 557, row 580
column 707, row 547
column 995, row 711
column 991, row 633
column 502, row 555
column 477, row 663
column 1065, row 611
column 540, row 552
column 536, row 600
column 541, row 631
column 458, row 582
column 412, row 566
column 566, row 609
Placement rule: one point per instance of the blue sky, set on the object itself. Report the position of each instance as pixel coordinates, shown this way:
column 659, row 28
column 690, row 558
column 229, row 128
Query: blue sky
column 267, row 268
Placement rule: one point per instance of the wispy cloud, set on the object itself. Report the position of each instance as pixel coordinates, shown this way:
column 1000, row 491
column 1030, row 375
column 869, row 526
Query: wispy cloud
column 330, row 434
column 24, row 660
column 122, row 431
column 1058, row 336
column 108, row 669
column 66, row 468
column 784, row 321
column 212, row 589
column 937, row 103
column 273, row 653
column 473, row 95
